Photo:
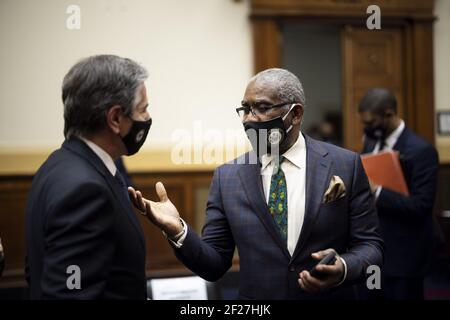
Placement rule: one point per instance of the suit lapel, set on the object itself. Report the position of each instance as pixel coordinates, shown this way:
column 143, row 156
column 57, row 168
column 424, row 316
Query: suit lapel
column 317, row 176
column 250, row 176
column 81, row 149
column 126, row 205
column 401, row 141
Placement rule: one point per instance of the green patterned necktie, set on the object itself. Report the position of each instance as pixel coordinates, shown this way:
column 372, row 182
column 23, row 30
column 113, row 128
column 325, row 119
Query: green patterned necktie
column 278, row 206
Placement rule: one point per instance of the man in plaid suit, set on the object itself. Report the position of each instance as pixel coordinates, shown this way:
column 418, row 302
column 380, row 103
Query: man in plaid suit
column 282, row 213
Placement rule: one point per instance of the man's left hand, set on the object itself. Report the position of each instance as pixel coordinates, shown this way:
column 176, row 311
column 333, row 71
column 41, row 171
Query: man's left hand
column 332, row 274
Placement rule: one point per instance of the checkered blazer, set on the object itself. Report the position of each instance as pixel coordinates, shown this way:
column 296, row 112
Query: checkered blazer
column 237, row 216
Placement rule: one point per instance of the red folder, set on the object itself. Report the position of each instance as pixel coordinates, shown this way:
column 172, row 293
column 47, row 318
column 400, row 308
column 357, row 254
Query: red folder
column 384, row 169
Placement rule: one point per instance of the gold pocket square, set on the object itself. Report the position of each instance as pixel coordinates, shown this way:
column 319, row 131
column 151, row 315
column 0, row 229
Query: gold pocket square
column 335, row 191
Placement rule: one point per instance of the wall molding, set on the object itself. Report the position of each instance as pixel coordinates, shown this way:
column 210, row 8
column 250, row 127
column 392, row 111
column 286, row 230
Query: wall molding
column 443, row 147
column 22, row 161
column 26, row 162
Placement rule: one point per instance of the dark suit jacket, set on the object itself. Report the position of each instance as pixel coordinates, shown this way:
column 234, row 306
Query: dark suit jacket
column 237, row 215
column 77, row 214
column 123, row 170
column 406, row 222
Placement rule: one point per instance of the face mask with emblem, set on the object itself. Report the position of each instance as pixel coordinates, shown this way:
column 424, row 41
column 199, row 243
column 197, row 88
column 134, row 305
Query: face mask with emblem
column 135, row 138
column 267, row 136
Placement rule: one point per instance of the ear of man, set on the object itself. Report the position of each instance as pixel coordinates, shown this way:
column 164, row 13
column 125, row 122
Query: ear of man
column 114, row 118
column 297, row 114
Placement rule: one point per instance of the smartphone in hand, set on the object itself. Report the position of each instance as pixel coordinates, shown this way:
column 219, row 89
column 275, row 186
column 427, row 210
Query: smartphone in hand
column 327, row 260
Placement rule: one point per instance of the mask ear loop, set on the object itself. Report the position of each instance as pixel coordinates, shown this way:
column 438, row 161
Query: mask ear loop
column 284, row 117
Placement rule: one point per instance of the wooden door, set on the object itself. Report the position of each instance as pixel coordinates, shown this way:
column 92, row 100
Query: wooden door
column 370, row 59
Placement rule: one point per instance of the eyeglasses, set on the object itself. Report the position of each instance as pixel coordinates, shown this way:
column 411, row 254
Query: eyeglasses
column 258, row 110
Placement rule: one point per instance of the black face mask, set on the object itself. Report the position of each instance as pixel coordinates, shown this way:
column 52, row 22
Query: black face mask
column 136, row 137
column 267, row 136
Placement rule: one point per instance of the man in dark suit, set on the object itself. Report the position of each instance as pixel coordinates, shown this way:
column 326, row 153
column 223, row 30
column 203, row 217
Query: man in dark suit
column 83, row 238
column 406, row 221
column 284, row 206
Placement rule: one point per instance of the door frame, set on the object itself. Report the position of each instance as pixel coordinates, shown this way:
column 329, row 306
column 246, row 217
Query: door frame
column 414, row 17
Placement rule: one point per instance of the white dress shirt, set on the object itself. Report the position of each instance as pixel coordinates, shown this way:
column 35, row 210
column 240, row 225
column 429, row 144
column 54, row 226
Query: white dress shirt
column 294, row 168
column 391, row 140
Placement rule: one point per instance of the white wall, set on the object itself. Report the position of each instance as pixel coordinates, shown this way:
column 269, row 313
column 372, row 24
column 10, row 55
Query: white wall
column 442, row 68
column 442, row 55
column 198, row 54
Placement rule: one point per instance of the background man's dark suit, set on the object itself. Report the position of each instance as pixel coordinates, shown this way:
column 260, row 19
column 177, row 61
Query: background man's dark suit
column 78, row 214
column 237, row 215
column 406, row 222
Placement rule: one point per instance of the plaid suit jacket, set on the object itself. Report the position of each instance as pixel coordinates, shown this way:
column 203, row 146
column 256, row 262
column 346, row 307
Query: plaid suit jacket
column 237, row 217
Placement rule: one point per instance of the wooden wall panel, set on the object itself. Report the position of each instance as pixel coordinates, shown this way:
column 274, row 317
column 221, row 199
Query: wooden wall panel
column 417, row 9
column 13, row 195
column 161, row 261
column 421, row 90
column 267, row 44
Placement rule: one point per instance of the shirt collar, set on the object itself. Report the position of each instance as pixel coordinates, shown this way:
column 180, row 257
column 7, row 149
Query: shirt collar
column 391, row 140
column 103, row 155
column 294, row 154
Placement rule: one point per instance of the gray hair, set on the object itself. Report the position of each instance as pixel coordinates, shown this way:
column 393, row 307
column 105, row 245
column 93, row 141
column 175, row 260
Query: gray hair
column 286, row 83
column 95, row 84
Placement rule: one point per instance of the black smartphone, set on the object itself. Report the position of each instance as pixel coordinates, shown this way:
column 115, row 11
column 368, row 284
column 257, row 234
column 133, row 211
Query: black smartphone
column 328, row 259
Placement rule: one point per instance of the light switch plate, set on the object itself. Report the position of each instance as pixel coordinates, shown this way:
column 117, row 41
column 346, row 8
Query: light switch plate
column 443, row 121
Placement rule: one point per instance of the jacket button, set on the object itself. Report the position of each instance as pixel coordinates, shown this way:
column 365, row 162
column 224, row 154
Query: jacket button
column 291, row 268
